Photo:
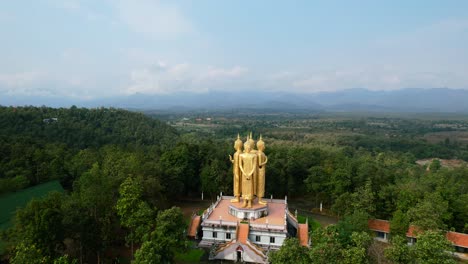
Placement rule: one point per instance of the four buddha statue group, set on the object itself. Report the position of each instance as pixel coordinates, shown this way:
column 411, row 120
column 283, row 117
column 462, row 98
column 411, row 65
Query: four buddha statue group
column 249, row 171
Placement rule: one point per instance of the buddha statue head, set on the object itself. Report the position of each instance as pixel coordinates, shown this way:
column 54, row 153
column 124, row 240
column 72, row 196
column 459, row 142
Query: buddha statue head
column 238, row 143
column 260, row 144
column 247, row 146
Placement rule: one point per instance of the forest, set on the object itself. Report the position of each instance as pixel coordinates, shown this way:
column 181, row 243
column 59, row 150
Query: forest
column 123, row 171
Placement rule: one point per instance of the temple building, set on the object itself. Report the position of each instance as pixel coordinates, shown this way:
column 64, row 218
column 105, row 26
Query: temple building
column 245, row 227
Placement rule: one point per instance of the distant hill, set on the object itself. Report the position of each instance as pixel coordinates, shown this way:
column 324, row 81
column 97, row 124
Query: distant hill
column 82, row 128
column 404, row 100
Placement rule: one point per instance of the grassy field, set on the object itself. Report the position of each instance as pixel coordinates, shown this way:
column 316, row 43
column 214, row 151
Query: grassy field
column 10, row 202
column 193, row 255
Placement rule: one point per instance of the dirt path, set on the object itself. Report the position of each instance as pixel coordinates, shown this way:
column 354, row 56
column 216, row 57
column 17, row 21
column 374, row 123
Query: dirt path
column 304, row 209
column 189, row 207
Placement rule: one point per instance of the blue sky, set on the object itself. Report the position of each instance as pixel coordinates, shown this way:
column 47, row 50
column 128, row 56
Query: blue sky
column 101, row 48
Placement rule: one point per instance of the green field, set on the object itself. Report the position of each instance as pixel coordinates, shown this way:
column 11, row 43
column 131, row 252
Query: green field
column 12, row 201
column 193, row 255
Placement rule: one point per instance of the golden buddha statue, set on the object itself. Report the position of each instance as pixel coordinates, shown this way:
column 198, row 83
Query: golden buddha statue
column 262, row 160
column 247, row 165
column 235, row 169
column 252, row 150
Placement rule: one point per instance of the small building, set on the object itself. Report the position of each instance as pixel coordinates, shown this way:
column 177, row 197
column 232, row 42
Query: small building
column 246, row 234
column 459, row 241
column 381, row 229
column 50, row 120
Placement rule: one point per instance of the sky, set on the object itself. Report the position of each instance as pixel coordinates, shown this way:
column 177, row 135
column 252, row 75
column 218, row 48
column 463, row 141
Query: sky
column 104, row 48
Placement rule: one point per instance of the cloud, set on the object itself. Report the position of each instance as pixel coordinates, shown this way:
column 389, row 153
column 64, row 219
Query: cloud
column 161, row 78
column 220, row 73
column 153, row 18
column 32, row 83
column 12, row 81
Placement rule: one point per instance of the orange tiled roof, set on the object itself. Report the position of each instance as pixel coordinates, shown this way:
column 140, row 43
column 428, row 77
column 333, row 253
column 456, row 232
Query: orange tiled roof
column 243, row 233
column 379, row 225
column 458, row 239
column 412, row 231
column 303, row 234
column 192, row 232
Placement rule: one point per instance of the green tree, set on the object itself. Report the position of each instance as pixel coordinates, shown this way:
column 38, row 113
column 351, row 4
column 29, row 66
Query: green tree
column 135, row 214
column 432, row 248
column 290, row 252
column 150, row 252
column 356, row 222
column 356, row 252
column 39, row 225
column 363, row 199
column 180, row 167
column 343, row 204
column 398, row 251
column 81, row 227
column 435, row 165
column 65, row 260
column 399, row 224
column 430, row 213
column 96, row 192
column 326, row 246
column 167, row 238
column 212, row 176
column 28, row 253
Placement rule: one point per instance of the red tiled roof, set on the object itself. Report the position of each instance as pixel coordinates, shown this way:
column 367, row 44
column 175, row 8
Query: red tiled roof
column 303, row 234
column 243, row 233
column 458, row 239
column 379, row 225
column 384, row 226
column 412, row 231
column 193, row 228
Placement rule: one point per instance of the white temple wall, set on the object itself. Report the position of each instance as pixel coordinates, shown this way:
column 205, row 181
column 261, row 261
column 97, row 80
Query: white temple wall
column 220, row 234
column 265, row 238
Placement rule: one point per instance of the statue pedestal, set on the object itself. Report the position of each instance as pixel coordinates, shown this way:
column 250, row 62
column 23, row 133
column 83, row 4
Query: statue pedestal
column 257, row 210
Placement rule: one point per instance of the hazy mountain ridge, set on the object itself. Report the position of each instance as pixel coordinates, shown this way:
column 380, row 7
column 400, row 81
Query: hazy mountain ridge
column 404, row 100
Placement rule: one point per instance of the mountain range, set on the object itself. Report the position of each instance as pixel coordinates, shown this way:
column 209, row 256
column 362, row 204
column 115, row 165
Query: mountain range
column 404, row 100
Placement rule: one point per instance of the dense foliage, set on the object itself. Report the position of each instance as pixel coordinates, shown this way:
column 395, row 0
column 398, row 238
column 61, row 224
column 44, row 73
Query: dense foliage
column 123, row 170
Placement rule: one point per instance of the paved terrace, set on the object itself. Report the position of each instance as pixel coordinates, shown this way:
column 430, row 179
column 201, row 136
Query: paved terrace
column 276, row 212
